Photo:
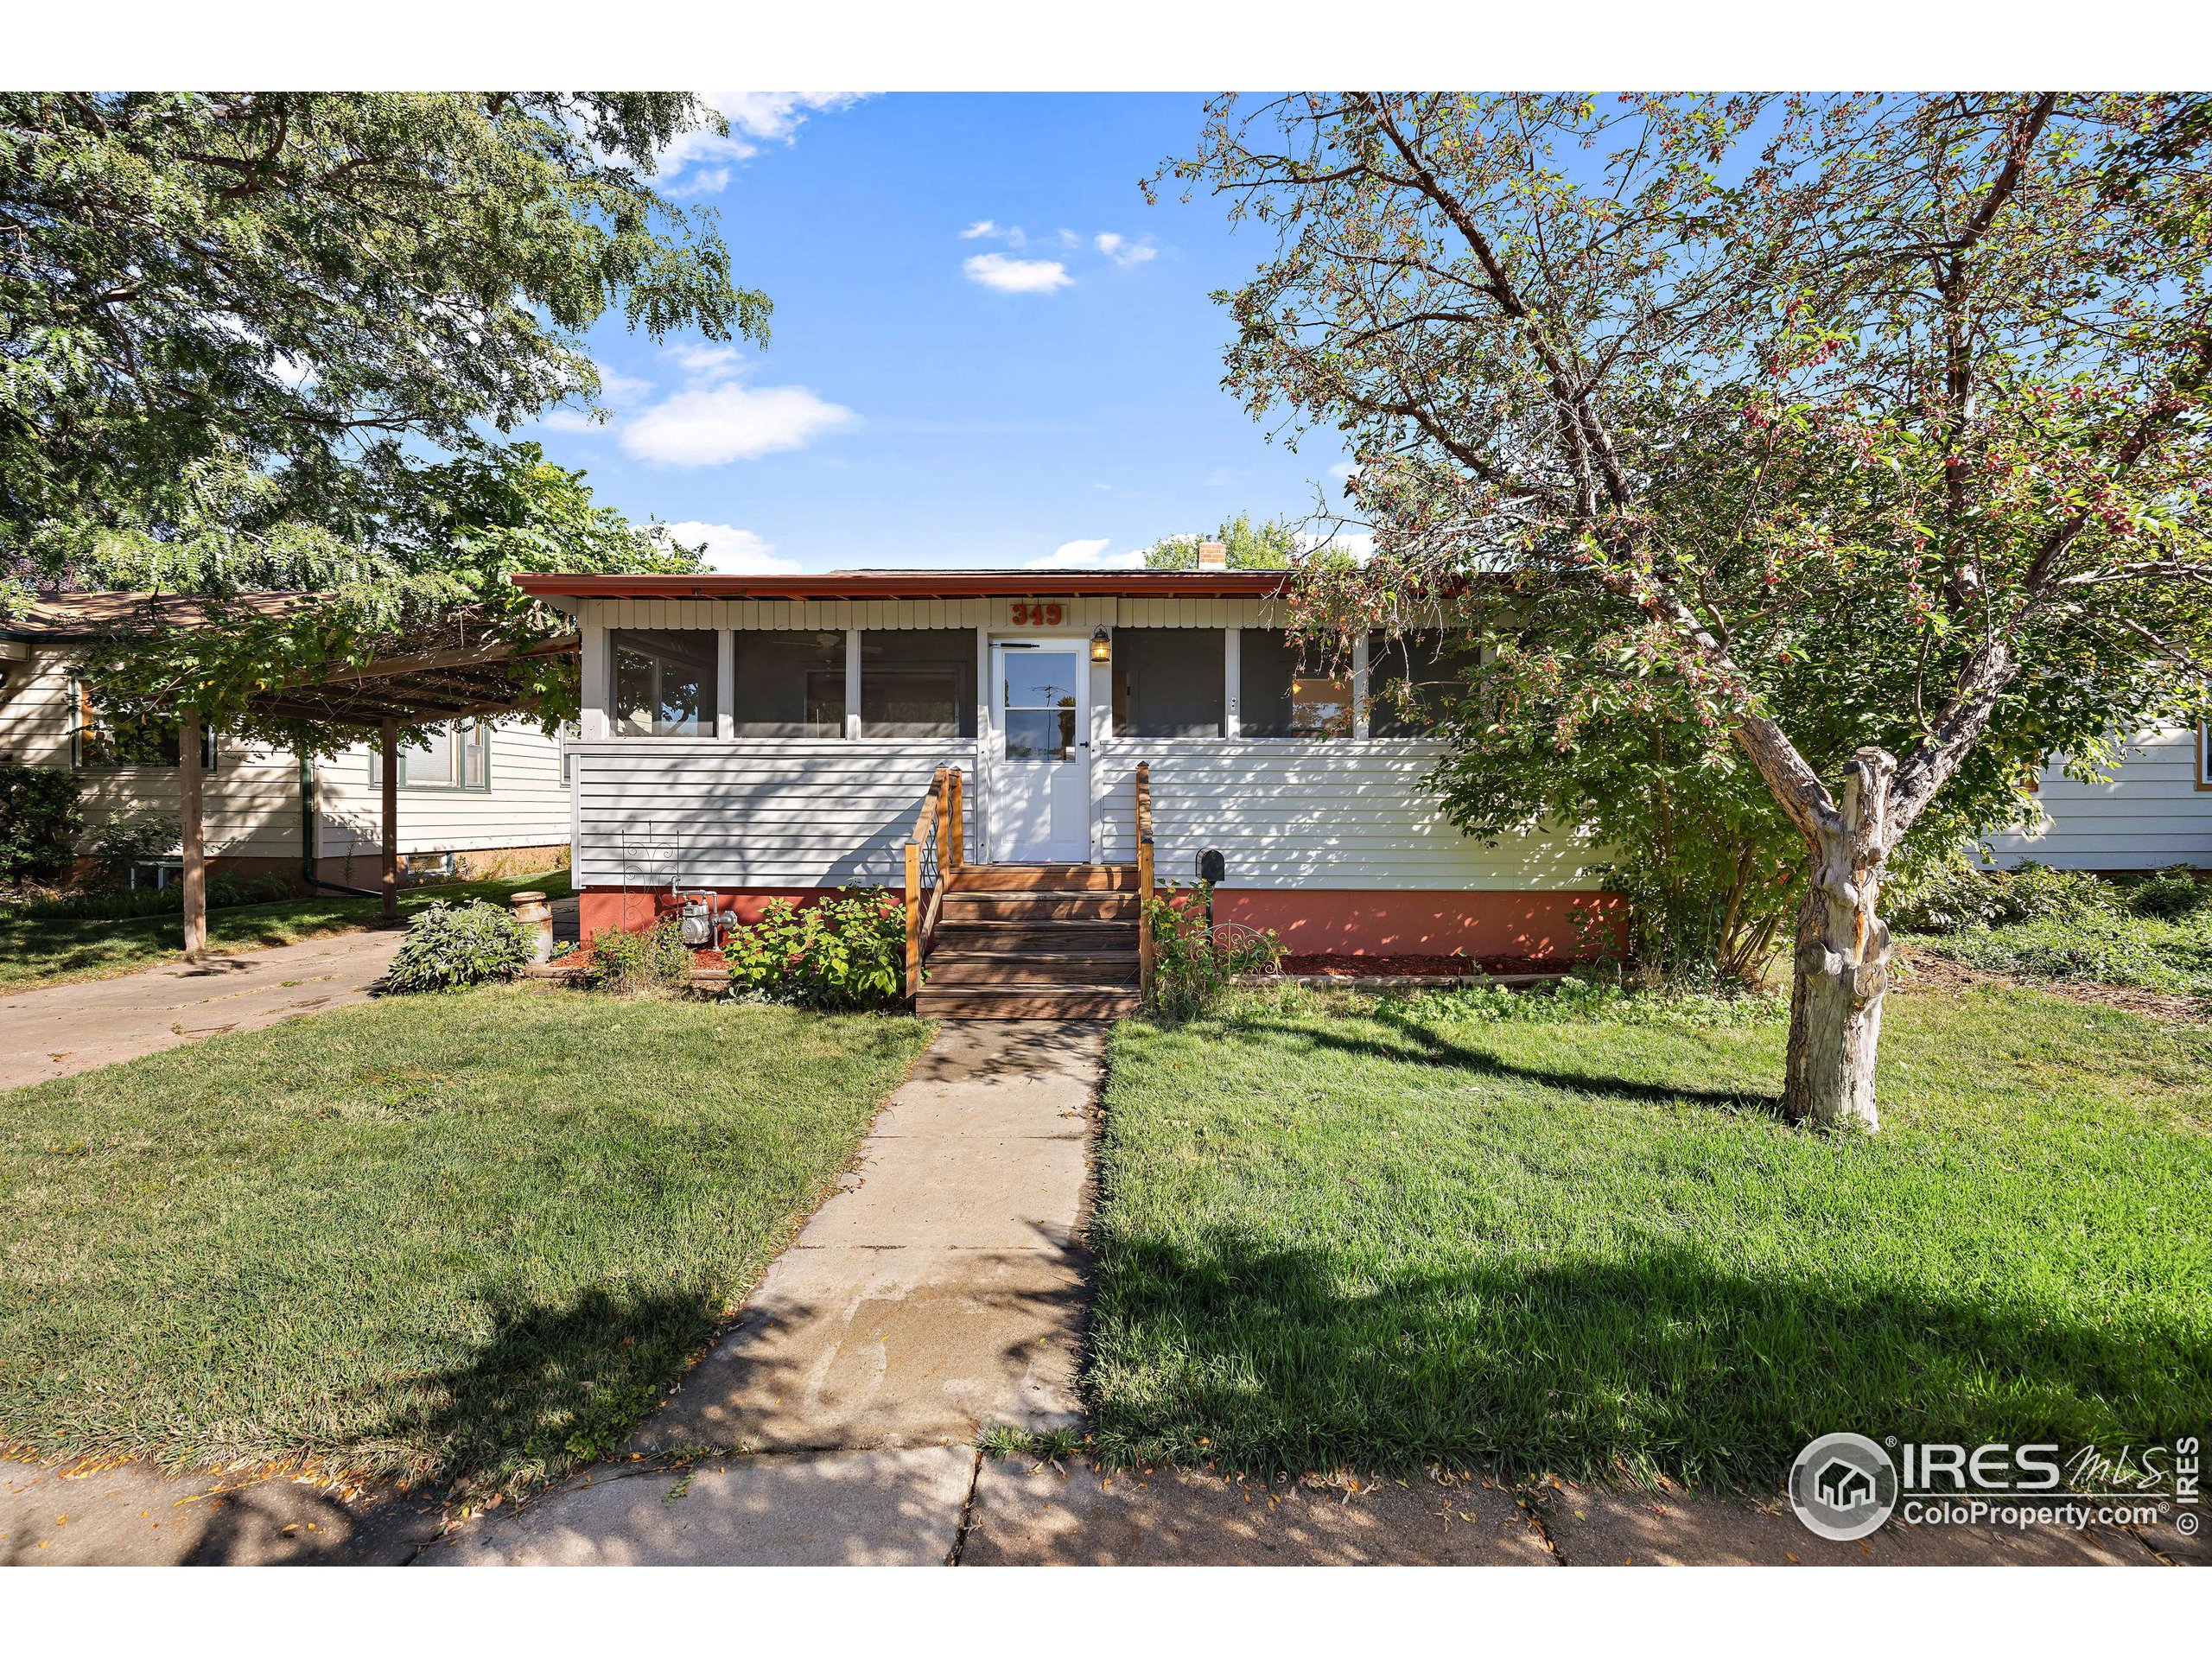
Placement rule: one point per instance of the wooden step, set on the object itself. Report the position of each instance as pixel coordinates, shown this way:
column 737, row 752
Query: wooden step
column 960, row 906
column 1048, row 934
column 1044, row 878
column 1027, row 1002
column 1038, row 968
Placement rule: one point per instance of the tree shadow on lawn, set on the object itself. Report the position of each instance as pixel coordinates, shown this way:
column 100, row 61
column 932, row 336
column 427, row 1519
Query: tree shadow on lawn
column 1275, row 1359
column 1421, row 1044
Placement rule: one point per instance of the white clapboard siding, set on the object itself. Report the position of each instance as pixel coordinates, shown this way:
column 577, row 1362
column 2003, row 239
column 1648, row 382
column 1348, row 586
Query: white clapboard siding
column 1341, row 814
column 526, row 805
column 1081, row 615
column 758, row 812
column 2151, row 814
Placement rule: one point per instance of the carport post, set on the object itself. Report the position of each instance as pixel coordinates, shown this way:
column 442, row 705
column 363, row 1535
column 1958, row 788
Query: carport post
column 188, row 778
column 388, row 741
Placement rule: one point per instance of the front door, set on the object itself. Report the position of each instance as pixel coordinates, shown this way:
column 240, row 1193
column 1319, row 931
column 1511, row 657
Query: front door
column 1040, row 781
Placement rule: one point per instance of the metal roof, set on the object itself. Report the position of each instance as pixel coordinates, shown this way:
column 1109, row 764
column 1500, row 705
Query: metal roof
column 921, row 584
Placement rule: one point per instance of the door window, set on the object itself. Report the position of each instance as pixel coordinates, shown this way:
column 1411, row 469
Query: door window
column 1039, row 704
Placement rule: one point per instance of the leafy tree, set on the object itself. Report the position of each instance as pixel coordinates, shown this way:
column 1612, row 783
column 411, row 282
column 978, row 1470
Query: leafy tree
column 1812, row 431
column 1269, row 545
column 318, row 285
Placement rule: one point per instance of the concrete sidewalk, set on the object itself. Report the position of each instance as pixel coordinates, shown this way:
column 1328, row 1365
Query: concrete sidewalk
column 938, row 1292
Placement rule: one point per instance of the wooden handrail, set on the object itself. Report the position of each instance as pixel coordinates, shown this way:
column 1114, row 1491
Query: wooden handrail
column 1144, row 879
column 935, row 825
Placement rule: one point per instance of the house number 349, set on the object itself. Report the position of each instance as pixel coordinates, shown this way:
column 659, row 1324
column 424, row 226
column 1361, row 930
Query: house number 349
column 1038, row 614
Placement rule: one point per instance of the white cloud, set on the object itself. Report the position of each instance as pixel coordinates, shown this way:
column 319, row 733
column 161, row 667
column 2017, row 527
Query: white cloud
column 1220, row 478
column 732, row 551
column 981, row 227
column 1121, row 250
column 1088, row 555
column 1067, row 238
column 702, row 161
column 1359, row 544
column 989, row 230
column 1343, row 469
column 718, row 418
column 995, row 270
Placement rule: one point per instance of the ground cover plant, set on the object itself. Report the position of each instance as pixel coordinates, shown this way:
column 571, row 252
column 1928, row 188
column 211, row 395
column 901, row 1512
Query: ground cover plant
column 2069, row 925
column 1577, row 1236
column 450, row 947
column 45, row 950
column 468, row 1239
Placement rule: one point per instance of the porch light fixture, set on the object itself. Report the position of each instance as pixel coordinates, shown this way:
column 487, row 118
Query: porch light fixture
column 1101, row 646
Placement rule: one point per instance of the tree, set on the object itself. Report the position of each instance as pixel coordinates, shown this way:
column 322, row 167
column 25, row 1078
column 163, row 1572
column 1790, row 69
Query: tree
column 1823, row 430
column 1269, row 545
column 322, row 287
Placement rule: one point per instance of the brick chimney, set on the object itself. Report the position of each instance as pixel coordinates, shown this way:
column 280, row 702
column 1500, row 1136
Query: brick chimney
column 1213, row 556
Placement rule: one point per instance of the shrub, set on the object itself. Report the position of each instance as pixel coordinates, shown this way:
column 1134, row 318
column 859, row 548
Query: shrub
column 1193, row 961
column 842, row 953
column 2112, row 948
column 651, row 960
column 2174, row 891
column 40, row 821
column 124, row 843
column 449, row 946
column 224, row 891
column 1956, row 895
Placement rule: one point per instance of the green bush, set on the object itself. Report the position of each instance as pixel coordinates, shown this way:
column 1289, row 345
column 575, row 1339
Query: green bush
column 2173, row 893
column 848, row 952
column 2113, row 947
column 1193, row 962
column 124, row 843
column 449, row 946
column 651, row 959
column 40, row 821
column 1957, row 894
column 223, row 892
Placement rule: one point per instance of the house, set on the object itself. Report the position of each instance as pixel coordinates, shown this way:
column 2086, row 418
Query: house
column 758, row 736
column 1844, row 1485
column 481, row 798
column 2156, row 810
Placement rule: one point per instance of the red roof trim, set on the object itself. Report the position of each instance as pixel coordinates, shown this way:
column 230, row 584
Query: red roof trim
column 922, row 584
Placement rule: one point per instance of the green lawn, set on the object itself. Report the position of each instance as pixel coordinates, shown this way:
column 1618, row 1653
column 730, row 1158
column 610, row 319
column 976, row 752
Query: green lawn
column 1418, row 1232
column 468, row 1237
column 48, row 950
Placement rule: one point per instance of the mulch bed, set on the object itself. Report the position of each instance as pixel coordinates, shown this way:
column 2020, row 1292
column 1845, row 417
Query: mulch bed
column 1926, row 970
column 1421, row 967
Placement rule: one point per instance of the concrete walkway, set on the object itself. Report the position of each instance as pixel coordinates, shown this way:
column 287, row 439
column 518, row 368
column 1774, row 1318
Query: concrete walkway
column 62, row 1029
column 938, row 1291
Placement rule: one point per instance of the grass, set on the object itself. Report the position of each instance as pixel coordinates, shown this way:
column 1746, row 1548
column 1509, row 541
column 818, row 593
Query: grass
column 49, row 950
column 1582, row 1242
column 464, row 1238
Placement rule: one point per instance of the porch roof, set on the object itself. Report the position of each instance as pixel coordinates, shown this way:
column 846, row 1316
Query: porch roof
column 919, row 584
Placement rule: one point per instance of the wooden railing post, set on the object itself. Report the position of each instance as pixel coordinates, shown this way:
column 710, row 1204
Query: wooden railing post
column 914, row 917
column 945, row 861
column 955, row 850
column 1144, row 880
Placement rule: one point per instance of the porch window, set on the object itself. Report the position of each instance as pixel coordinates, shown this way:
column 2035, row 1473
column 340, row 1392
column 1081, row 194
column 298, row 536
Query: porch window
column 104, row 743
column 1414, row 679
column 1277, row 695
column 458, row 756
column 791, row 683
column 663, row 682
column 917, row 682
column 1167, row 683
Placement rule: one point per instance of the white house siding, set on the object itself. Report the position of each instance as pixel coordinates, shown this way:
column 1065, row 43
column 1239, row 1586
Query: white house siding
column 2152, row 814
column 526, row 805
column 751, row 812
column 1347, row 814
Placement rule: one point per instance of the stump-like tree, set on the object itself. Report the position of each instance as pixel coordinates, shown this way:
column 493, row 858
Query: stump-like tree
column 1860, row 437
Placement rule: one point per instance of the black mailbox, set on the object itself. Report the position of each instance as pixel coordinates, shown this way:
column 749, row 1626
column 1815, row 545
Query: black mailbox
column 1213, row 867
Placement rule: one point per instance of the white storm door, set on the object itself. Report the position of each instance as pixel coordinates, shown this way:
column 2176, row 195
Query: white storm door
column 1040, row 783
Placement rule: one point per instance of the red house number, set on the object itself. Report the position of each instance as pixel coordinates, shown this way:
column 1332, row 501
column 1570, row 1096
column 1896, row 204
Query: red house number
column 1038, row 614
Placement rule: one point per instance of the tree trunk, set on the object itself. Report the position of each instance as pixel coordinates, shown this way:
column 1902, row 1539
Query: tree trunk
column 388, row 863
column 193, row 859
column 1843, row 957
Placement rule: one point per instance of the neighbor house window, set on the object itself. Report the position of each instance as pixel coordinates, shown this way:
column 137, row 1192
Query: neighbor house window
column 1284, row 690
column 1167, row 683
column 104, row 742
column 790, row 684
column 458, row 756
column 1414, row 680
column 663, row 682
column 917, row 682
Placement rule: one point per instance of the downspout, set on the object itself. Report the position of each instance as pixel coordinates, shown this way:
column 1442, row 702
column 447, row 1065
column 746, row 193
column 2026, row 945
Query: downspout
column 309, row 879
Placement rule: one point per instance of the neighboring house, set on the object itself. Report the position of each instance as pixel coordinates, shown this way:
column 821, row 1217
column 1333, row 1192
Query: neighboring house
column 481, row 799
column 758, row 736
column 2157, row 810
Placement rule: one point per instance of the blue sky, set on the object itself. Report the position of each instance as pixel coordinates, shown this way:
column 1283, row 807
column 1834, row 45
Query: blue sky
column 986, row 349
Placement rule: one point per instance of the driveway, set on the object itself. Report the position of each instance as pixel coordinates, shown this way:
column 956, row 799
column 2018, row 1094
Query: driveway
column 69, row 1028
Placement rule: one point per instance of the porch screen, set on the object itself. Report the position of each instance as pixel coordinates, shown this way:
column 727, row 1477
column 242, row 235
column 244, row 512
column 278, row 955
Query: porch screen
column 917, row 682
column 663, row 682
column 1414, row 680
column 1167, row 683
column 1277, row 695
column 790, row 685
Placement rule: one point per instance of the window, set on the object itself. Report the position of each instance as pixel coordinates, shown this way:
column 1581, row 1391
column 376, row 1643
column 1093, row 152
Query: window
column 790, row 685
column 458, row 756
column 1040, row 704
column 103, row 744
column 917, row 682
column 572, row 732
column 663, row 682
column 1414, row 679
column 1167, row 683
column 1278, row 697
